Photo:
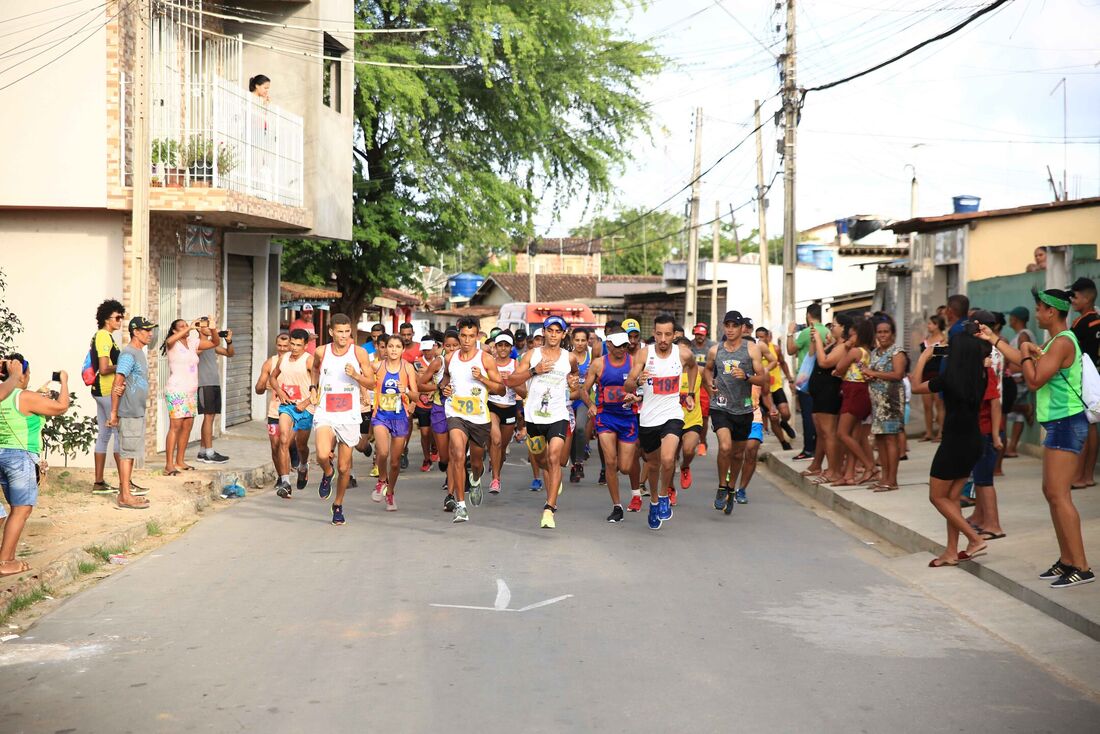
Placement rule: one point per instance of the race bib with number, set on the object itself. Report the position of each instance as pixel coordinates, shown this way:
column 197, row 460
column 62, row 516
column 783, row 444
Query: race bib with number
column 666, row 385
column 388, row 402
column 294, row 392
column 613, row 394
column 338, row 402
column 466, row 406
column 536, row 444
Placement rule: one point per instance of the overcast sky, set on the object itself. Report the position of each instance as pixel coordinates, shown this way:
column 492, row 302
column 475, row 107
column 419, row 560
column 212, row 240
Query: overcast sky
column 974, row 114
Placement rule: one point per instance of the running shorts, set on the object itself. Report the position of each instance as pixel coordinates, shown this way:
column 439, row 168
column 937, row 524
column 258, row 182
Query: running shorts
column 506, row 413
column 439, row 419
column 396, row 423
column 423, row 417
column 779, row 397
column 557, row 429
column 650, row 437
column 739, row 426
column 756, row 433
column 273, row 426
column 303, row 419
column 624, row 428
column 478, row 433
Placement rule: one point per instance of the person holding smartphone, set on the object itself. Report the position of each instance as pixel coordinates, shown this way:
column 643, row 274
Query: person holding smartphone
column 210, row 385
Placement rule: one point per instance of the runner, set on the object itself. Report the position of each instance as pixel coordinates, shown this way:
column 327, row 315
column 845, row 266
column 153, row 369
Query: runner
column 700, row 345
column 732, row 367
column 658, row 371
column 743, row 474
column 429, row 350
column 470, row 376
column 634, row 332
column 546, row 371
column 428, row 381
column 502, row 408
column 290, row 380
column 578, row 445
column 777, row 369
column 396, row 394
column 616, row 419
column 693, row 426
column 282, row 346
column 340, row 371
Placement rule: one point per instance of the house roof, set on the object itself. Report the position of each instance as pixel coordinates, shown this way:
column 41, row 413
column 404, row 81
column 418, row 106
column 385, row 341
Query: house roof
column 403, row 298
column 567, row 246
column 477, row 312
column 555, row 287
column 930, row 224
column 299, row 292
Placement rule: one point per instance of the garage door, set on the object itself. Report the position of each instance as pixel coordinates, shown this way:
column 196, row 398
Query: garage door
column 238, row 370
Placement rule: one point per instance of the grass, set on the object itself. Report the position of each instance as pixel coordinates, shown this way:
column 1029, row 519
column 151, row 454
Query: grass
column 24, row 601
column 152, row 528
column 104, row 554
column 86, row 567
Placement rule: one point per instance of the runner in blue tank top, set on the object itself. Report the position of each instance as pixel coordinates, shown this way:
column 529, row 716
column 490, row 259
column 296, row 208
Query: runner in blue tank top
column 578, row 445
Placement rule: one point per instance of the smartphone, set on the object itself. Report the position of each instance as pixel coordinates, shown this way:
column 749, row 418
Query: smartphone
column 56, row 377
column 223, row 334
column 939, row 351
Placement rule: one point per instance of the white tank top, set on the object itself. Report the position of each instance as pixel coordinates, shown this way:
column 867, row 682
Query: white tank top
column 468, row 401
column 548, row 395
column 509, row 396
column 339, row 399
column 661, row 393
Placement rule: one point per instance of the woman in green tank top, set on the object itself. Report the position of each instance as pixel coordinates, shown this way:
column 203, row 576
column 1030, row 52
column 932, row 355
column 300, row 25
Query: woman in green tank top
column 1053, row 372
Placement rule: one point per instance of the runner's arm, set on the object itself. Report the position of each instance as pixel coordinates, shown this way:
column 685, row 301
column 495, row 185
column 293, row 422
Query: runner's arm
column 367, row 378
column 594, row 371
column 688, row 360
column 708, row 369
column 414, row 392
column 786, row 368
column 262, row 382
column 630, row 385
column 523, row 372
column 491, row 377
column 760, row 377
column 424, row 378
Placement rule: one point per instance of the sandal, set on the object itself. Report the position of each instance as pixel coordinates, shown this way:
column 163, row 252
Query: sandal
column 937, row 563
column 885, row 488
column 187, row 467
column 23, row 568
column 990, row 535
column 980, row 551
column 139, row 505
column 172, row 473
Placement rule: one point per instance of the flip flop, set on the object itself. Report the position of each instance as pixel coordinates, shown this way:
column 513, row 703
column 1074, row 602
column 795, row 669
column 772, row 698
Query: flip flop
column 173, row 473
column 937, row 563
column 989, row 535
column 133, row 505
column 965, row 556
column 885, row 488
column 23, row 568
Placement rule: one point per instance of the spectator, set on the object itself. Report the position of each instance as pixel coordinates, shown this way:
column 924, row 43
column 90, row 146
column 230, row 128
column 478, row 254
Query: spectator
column 210, row 387
column 1022, row 410
column 128, row 399
column 855, row 404
column 372, row 345
column 1040, row 260
column 986, row 518
column 1062, row 412
column 825, row 391
column 958, row 307
column 885, row 374
column 305, row 323
column 105, row 353
column 1087, row 330
column 260, row 86
column 21, row 413
column 412, row 349
column 798, row 343
column 181, row 347
column 936, row 340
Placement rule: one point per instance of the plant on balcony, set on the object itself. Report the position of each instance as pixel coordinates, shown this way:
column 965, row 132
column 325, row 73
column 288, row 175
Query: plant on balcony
column 227, row 159
column 165, row 157
column 199, row 159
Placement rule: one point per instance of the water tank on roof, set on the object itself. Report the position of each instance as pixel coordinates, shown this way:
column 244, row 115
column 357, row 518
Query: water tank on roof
column 464, row 284
column 965, row 203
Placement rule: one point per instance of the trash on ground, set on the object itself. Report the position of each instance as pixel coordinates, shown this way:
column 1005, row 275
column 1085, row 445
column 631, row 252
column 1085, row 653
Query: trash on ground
column 118, row 559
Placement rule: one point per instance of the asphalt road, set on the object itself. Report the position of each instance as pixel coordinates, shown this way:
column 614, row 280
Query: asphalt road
column 266, row 618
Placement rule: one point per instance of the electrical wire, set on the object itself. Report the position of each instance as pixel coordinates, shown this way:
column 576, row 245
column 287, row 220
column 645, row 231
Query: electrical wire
column 11, row 51
column 43, row 10
column 289, row 26
column 24, row 29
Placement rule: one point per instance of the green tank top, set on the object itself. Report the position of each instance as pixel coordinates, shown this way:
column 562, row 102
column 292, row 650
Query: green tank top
column 18, row 431
column 1061, row 396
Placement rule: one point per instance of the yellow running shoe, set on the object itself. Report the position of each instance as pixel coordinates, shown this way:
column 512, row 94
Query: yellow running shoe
column 561, row 488
column 547, row 519
column 374, row 470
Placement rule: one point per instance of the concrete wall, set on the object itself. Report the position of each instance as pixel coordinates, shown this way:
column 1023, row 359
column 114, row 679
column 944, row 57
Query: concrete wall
column 1005, row 245
column 52, row 128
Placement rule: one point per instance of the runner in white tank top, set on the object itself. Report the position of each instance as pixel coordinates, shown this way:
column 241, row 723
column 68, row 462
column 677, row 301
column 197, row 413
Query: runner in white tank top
column 661, row 392
column 502, row 408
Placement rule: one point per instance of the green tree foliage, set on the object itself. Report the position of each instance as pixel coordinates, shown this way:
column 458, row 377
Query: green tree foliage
column 10, row 325
column 543, row 109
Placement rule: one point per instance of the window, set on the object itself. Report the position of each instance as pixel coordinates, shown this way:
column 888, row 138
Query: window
column 332, row 71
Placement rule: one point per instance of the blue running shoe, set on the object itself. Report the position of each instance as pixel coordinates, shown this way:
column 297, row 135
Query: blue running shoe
column 741, row 497
column 654, row 517
column 720, row 497
column 337, row 514
column 664, row 508
column 536, row 485
column 326, row 486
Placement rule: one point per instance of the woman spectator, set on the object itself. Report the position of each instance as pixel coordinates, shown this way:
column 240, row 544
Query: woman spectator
column 885, row 375
column 181, row 390
column 825, row 393
column 963, row 384
column 855, row 404
column 21, row 413
column 260, row 86
column 936, row 339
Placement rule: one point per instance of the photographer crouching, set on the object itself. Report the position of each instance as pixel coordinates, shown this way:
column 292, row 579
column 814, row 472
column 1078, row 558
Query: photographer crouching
column 21, row 414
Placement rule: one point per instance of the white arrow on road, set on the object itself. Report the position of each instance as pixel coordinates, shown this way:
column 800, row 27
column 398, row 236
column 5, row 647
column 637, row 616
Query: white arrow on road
column 504, row 597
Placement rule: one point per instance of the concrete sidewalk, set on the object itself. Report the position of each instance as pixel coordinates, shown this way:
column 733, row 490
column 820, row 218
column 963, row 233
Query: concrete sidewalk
column 249, row 453
column 907, row 519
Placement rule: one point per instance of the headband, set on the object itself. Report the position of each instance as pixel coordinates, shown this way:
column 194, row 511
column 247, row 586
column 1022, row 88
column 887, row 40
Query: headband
column 1053, row 301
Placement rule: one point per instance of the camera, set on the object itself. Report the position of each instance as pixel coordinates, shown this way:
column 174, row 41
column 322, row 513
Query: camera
column 223, row 333
column 56, row 377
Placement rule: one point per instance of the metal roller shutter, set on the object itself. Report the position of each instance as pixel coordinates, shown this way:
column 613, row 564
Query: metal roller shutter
column 238, row 370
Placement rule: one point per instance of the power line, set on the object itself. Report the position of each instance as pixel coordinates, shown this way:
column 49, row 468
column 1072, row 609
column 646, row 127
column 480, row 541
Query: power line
column 43, row 10
column 289, row 26
column 10, row 51
column 745, row 28
column 68, row 18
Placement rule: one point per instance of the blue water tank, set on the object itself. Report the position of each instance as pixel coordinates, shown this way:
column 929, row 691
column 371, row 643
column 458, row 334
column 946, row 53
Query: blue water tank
column 464, row 284
column 805, row 254
column 964, row 203
column 823, row 258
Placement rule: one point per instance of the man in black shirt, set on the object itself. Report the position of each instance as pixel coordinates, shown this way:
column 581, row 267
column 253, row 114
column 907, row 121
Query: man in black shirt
column 1087, row 330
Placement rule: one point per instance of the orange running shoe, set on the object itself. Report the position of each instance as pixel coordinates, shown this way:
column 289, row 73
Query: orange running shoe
column 685, row 477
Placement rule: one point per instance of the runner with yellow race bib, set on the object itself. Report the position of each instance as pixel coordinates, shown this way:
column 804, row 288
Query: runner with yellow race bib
column 394, row 399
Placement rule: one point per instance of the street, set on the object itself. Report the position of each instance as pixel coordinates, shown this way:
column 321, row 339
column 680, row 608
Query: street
column 265, row 617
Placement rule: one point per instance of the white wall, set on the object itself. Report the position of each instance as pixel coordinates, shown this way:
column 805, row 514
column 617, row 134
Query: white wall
column 263, row 342
column 53, row 148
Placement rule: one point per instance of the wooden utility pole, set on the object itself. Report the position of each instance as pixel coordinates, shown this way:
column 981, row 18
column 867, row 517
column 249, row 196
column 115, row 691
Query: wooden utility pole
column 141, row 164
column 715, row 237
column 762, row 219
column 791, row 101
column 691, row 287
column 736, row 239
column 532, row 249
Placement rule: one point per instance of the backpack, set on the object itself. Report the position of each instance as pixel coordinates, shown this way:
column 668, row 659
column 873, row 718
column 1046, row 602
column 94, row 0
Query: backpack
column 1090, row 384
column 90, row 371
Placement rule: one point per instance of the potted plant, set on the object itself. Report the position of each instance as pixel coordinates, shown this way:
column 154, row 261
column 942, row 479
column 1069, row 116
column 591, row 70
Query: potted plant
column 164, row 154
column 227, row 159
column 200, row 160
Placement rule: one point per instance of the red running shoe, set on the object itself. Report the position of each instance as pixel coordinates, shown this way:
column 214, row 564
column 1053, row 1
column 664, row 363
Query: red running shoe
column 635, row 503
column 426, row 466
column 435, row 457
column 685, row 477
column 672, row 496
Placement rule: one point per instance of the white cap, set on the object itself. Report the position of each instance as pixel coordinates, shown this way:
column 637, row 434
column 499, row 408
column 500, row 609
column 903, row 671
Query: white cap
column 427, row 344
column 537, row 332
column 619, row 339
column 506, row 338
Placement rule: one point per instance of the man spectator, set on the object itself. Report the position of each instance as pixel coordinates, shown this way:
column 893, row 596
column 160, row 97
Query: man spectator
column 105, row 353
column 210, row 387
column 412, row 349
column 798, row 343
column 305, row 323
column 958, row 306
column 129, row 397
column 1087, row 330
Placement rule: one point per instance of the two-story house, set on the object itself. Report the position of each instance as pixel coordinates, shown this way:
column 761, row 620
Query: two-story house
column 229, row 169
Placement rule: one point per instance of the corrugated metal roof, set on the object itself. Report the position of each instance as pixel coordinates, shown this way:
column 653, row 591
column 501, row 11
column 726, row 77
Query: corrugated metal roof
column 930, row 224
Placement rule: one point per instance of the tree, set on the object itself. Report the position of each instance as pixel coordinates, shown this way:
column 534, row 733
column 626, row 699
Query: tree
column 543, row 108
column 10, row 325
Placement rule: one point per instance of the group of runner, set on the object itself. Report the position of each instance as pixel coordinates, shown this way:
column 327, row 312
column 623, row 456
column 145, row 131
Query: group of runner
column 473, row 394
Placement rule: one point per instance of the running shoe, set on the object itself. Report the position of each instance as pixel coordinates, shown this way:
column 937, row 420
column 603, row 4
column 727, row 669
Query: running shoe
column 435, row 457
column 672, row 496
column 374, row 470
column 581, row 468
column 547, row 519
column 352, row 481
column 391, row 503
column 720, row 497
column 475, row 492
column 616, row 514
column 702, row 450
column 802, row 455
column 635, row 503
column 741, row 496
column 427, row 465
column 786, row 445
column 376, row 495
column 729, row 501
column 303, row 477
column 449, row 504
column 1055, row 571
column 575, row 474
column 325, row 489
column 337, row 514
column 404, row 461
column 603, row 476
column 494, row 487
column 1073, row 577
column 282, row 489
column 460, row 514
column 536, row 485
column 654, row 517
column 787, row 429
column 664, row 508
column 685, row 477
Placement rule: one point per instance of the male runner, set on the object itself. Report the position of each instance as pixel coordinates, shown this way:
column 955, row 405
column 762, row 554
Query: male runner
column 615, row 419
column 693, row 426
column 340, row 370
column 579, row 444
column 290, row 380
column 282, row 346
column 634, row 332
column 732, row 367
column 776, row 367
column 700, row 345
column 547, row 370
column 429, row 381
column 429, row 350
column 661, row 419
column 470, row 376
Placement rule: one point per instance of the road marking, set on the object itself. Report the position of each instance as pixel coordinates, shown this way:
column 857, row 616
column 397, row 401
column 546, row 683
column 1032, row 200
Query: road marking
column 504, row 597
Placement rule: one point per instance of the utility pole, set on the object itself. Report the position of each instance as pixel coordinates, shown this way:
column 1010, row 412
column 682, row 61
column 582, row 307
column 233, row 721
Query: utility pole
column 736, row 239
column 762, row 214
column 1065, row 144
column 691, row 287
column 790, row 109
column 715, row 237
column 531, row 249
column 139, row 211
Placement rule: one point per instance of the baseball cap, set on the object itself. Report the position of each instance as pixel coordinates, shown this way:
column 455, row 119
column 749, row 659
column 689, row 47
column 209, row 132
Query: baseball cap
column 746, row 321
column 140, row 322
column 555, row 321
column 427, row 344
column 307, row 306
column 521, row 334
column 1021, row 313
column 984, row 317
column 537, row 332
column 733, row 317
column 494, row 331
column 700, row 328
column 632, row 325
column 1082, row 284
column 504, row 337
column 618, row 339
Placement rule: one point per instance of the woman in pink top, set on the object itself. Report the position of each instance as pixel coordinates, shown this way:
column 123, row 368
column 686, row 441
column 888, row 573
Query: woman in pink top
column 181, row 347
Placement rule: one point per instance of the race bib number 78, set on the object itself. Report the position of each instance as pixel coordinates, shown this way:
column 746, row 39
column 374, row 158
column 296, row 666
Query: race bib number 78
column 466, row 406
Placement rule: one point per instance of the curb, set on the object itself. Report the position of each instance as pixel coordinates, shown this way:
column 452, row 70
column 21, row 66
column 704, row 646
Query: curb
column 913, row 542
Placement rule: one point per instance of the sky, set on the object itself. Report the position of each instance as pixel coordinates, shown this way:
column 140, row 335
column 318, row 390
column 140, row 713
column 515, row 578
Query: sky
column 980, row 113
